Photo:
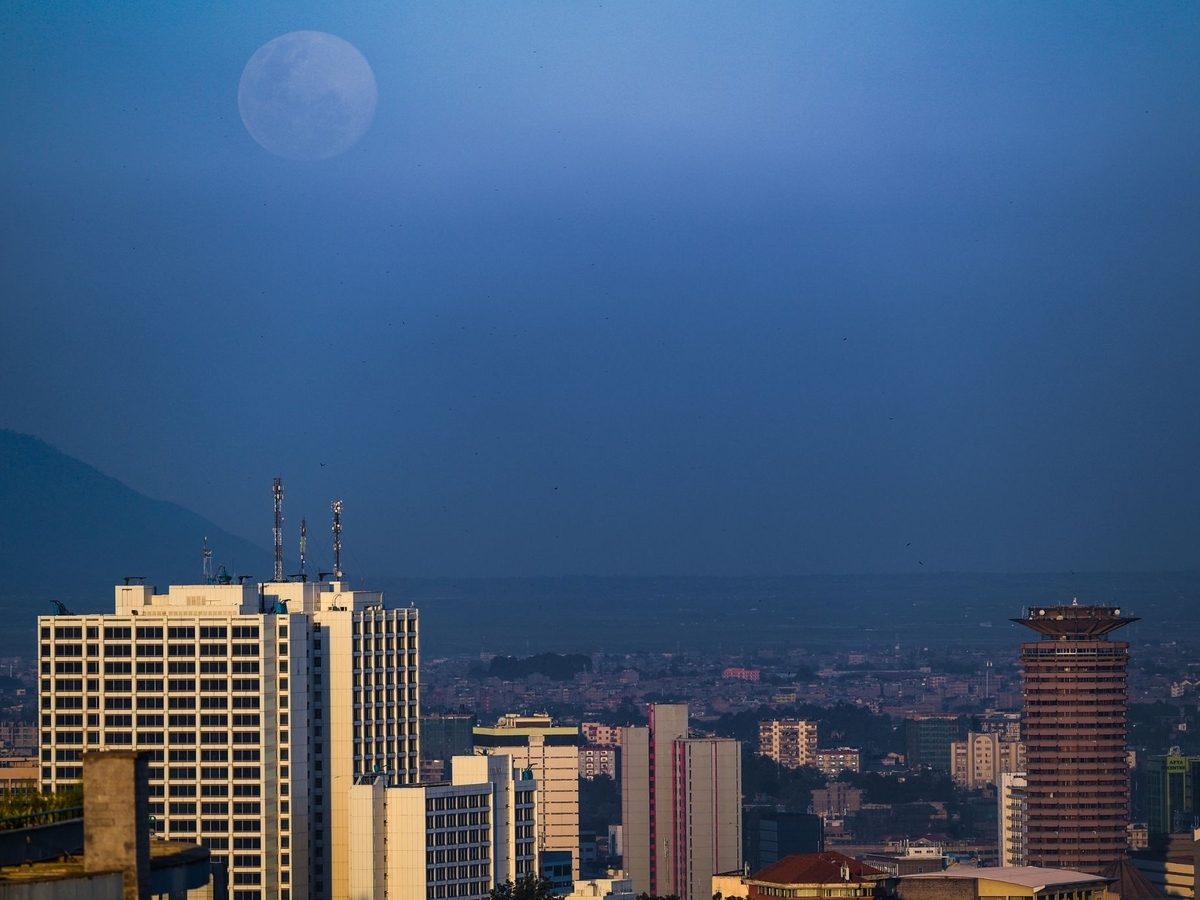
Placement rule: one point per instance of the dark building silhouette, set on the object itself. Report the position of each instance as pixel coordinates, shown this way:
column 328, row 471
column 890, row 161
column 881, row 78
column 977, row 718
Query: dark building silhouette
column 1076, row 731
column 927, row 740
column 771, row 835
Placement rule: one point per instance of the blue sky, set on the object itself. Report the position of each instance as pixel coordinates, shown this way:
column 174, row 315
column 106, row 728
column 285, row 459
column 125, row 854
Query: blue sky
column 626, row 288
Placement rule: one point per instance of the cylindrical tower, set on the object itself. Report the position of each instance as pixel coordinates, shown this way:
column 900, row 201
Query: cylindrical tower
column 1076, row 731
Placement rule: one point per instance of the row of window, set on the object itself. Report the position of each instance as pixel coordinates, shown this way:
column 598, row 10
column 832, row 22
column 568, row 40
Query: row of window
column 155, row 632
column 470, row 889
column 458, row 873
column 154, row 685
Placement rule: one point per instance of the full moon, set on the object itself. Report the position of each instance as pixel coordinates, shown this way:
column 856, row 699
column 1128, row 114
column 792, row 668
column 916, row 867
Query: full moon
column 307, row 95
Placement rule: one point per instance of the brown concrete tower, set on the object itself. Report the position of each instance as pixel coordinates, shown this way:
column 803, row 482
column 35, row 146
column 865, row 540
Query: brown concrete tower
column 1075, row 737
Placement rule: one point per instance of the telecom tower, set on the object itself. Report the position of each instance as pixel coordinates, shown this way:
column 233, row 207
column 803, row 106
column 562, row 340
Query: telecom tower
column 278, row 490
column 337, row 540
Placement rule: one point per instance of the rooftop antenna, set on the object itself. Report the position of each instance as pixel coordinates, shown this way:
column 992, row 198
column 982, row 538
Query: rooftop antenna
column 303, row 547
column 278, row 529
column 208, row 572
column 337, row 540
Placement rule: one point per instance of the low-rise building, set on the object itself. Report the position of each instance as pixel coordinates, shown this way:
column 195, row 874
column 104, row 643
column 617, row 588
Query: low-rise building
column 1012, row 882
column 827, row 874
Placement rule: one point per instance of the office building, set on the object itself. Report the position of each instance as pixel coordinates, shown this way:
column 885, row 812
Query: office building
column 1076, row 732
column 1172, row 786
column 1010, row 815
column 552, row 753
column 681, row 805
column 459, row 839
column 790, row 742
column 258, row 706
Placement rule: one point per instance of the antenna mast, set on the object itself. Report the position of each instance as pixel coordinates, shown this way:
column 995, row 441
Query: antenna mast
column 303, row 547
column 279, row 529
column 208, row 575
column 337, row 539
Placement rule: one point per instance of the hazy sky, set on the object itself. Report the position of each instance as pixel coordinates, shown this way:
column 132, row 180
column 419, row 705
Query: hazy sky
column 636, row 288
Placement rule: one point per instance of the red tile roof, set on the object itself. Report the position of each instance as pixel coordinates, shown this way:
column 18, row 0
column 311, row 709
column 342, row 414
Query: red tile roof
column 816, row 868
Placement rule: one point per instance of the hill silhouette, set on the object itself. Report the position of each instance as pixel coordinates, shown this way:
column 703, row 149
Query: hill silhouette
column 70, row 532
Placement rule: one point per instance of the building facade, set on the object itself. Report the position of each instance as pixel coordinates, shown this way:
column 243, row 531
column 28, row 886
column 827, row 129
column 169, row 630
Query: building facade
column 596, row 760
column 257, row 705
column 458, row 839
column 1011, row 813
column 981, row 757
column 927, row 740
column 790, row 742
column 681, row 805
column 1172, row 789
column 552, row 753
column 1076, row 732
column 836, row 760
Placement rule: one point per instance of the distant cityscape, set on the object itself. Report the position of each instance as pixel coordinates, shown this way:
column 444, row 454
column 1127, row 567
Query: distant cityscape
column 293, row 730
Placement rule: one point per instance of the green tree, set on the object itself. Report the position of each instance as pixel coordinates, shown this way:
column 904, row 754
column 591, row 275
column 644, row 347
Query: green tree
column 528, row 888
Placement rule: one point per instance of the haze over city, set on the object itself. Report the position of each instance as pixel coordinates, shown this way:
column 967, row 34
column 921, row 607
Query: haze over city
column 626, row 289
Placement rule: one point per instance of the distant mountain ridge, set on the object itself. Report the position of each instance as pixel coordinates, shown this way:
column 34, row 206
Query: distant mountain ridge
column 70, row 532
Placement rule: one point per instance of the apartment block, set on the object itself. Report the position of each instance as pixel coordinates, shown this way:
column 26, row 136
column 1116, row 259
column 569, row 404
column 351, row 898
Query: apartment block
column 790, row 742
column 836, row 760
column 980, row 758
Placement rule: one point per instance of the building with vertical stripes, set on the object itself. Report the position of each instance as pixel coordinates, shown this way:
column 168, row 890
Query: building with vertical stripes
column 681, row 805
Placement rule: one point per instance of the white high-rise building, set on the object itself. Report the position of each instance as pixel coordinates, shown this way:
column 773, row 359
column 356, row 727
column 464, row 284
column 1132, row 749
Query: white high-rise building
column 453, row 840
column 259, row 706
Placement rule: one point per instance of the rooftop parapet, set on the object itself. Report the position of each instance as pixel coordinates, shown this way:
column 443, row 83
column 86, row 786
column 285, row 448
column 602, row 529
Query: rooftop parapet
column 1074, row 622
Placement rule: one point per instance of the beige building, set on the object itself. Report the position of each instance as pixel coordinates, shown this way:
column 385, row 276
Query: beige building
column 258, row 706
column 790, row 742
column 1012, row 814
column 1012, row 882
column 551, row 752
column 981, row 758
column 681, row 806
column 457, row 839
column 19, row 775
